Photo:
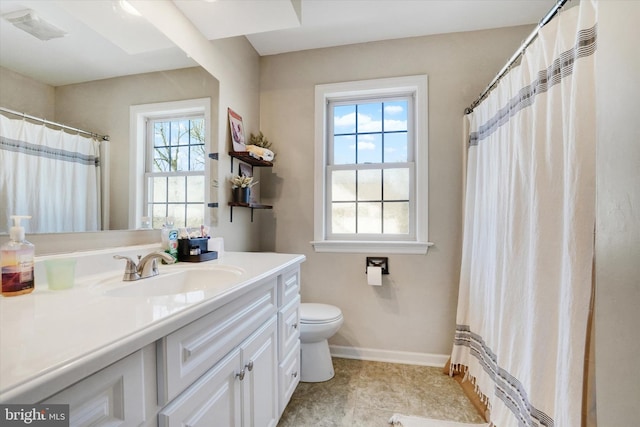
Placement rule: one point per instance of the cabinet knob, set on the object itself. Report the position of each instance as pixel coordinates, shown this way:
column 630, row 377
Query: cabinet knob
column 295, row 374
column 249, row 365
column 294, row 326
column 240, row 375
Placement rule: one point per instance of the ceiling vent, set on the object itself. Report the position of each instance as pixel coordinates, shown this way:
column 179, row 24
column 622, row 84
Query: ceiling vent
column 29, row 21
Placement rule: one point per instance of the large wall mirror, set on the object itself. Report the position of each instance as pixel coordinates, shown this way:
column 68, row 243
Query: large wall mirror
column 103, row 62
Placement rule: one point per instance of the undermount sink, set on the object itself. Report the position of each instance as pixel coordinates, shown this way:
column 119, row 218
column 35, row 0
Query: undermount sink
column 172, row 281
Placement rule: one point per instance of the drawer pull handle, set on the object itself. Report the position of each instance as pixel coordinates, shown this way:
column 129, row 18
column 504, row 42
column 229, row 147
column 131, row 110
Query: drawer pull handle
column 294, row 326
column 295, row 374
column 249, row 366
column 240, row 375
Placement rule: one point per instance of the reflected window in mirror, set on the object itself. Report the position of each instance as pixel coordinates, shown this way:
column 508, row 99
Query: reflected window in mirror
column 168, row 162
column 175, row 169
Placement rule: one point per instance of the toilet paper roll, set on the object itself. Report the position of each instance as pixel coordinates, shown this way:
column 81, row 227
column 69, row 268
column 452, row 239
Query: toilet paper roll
column 374, row 276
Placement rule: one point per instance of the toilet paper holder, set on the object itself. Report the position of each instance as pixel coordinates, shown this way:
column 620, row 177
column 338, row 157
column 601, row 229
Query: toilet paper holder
column 382, row 262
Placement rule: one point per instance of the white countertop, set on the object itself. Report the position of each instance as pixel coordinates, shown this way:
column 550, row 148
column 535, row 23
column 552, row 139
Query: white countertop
column 50, row 339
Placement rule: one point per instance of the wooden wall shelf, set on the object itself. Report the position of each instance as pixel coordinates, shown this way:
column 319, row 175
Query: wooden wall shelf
column 251, row 206
column 247, row 158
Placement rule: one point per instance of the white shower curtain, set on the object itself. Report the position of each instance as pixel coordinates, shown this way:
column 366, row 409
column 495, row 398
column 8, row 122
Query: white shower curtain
column 526, row 275
column 48, row 174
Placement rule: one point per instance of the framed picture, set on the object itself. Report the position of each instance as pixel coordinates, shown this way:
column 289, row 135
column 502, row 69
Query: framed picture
column 246, row 169
column 237, row 131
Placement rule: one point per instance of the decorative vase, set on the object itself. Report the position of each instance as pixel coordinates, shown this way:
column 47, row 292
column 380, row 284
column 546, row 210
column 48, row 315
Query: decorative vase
column 241, row 195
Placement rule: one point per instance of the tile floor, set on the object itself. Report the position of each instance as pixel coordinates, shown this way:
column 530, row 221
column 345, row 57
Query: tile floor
column 367, row 394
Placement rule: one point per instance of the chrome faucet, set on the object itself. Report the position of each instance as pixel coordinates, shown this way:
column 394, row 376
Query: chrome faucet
column 146, row 267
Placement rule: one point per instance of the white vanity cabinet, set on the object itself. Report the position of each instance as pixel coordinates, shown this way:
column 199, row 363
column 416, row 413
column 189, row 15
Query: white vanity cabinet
column 230, row 360
column 288, row 335
column 113, row 396
column 240, row 390
column 237, row 366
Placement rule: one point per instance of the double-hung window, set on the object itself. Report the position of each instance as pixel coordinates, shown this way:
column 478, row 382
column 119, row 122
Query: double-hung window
column 169, row 165
column 175, row 170
column 371, row 180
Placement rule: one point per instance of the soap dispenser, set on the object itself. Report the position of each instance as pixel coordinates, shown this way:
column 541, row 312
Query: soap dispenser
column 16, row 259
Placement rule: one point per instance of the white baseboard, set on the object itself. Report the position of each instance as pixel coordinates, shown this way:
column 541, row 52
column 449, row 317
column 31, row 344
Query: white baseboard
column 409, row 358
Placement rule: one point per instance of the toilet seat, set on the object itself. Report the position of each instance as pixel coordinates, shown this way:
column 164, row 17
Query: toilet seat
column 313, row 313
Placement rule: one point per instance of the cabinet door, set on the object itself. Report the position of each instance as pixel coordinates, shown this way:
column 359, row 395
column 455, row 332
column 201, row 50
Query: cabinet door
column 113, row 396
column 213, row 400
column 260, row 384
column 289, row 376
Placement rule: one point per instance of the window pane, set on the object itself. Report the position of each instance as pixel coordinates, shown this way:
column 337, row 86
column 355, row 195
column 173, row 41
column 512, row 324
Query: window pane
column 344, row 119
column 197, row 131
column 195, row 189
column 161, row 159
column 370, row 117
column 184, row 134
column 159, row 213
column 178, row 214
column 174, row 136
column 396, row 218
column 344, row 150
column 159, row 189
column 369, row 217
column 343, row 186
column 396, row 184
column 395, row 147
column 343, row 218
column 195, row 215
column 369, row 185
column 370, row 148
column 176, row 189
column 181, row 158
column 161, row 134
column 395, row 116
column 197, row 157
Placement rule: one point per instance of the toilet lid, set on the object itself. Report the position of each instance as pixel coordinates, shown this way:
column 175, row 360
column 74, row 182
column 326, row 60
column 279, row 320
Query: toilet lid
column 318, row 313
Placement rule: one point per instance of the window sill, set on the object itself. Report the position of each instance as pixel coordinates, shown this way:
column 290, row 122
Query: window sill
column 346, row 246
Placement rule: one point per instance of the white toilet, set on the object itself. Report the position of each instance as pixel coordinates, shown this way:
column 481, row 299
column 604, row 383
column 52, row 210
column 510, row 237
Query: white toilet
column 318, row 323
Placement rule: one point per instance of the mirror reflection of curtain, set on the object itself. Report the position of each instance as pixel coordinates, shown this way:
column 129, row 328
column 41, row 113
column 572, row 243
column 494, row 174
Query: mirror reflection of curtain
column 49, row 174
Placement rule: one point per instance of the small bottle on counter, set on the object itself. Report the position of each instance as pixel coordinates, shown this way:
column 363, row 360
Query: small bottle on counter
column 170, row 238
column 16, row 259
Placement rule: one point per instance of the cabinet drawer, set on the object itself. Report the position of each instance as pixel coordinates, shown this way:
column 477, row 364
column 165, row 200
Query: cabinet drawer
column 289, row 371
column 189, row 352
column 288, row 327
column 113, row 396
column 289, row 285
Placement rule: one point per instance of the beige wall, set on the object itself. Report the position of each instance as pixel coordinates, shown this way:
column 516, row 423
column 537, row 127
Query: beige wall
column 25, row 95
column 103, row 107
column 415, row 309
column 618, row 223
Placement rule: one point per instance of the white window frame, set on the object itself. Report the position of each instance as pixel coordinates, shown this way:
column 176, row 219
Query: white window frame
column 417, row 85
column 138, row 116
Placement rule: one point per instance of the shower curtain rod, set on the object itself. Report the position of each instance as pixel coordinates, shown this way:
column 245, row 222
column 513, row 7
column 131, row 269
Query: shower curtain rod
column 552, row 12
column 47, row 122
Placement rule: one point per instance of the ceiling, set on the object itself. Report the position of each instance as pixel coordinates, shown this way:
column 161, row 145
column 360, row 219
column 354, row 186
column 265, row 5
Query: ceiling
column 104, row 41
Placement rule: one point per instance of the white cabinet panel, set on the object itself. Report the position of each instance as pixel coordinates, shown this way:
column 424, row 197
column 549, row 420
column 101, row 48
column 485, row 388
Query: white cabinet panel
column 241, row 390
column 288, row 327
column 289, row 377
column 260, row 383
column 188, row 353
column 113, row 396
column 213, row 400
column 289, row 285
